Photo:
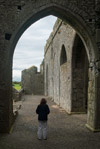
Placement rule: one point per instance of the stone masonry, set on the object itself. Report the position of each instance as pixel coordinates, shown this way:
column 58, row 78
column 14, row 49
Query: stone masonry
column 33, row 81
column 84, row 16
column 66, row 68
column 59, row 76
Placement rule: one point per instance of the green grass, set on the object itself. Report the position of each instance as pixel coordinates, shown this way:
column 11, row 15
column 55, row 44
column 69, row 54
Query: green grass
column 17, row 86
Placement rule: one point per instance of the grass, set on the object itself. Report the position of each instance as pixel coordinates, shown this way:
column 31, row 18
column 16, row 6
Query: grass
column 17, row 86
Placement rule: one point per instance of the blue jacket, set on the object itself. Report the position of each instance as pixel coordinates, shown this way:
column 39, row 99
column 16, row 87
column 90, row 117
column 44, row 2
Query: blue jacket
column 43, row 111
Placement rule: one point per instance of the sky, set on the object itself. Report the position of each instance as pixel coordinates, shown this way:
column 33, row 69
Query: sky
column 30, row 47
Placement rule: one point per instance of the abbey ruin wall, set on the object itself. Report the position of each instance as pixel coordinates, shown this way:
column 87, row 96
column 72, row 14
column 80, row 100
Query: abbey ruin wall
column 33, row 81
column 58, row 76
column 66, row 68
column 83, row 15
column 64, row 71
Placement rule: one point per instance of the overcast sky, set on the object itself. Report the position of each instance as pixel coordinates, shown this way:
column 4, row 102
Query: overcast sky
column 30, row 47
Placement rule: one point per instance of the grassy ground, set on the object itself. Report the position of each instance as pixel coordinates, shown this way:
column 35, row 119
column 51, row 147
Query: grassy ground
column 17, row 86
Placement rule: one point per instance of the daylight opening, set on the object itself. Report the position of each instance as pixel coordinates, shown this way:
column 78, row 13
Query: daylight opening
column 63, row 58
column 28, row 58
column 46, row 64
column 29, row 50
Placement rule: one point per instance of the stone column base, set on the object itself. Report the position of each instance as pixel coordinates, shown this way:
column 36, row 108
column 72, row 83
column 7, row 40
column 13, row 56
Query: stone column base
column 92, row 129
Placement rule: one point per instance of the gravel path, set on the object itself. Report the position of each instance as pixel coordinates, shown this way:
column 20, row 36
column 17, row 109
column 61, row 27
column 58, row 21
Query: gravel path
column 64, row 131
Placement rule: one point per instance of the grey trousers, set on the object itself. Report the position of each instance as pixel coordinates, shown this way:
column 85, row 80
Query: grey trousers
column 42, row 130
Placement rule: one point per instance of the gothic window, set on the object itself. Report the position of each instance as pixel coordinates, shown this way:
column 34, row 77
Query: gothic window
column 63, row 56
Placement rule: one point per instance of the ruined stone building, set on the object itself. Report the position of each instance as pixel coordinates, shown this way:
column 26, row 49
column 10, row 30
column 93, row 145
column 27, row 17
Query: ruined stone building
column 78, row 61
column 33, row 81
column 65, row 74
column 66, row 68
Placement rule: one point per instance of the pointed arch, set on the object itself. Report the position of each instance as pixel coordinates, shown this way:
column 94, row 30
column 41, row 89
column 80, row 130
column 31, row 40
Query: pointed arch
column 63, row 56
column 80, row 66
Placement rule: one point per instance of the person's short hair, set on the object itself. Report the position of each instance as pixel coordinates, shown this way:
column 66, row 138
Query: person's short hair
column 43, row 101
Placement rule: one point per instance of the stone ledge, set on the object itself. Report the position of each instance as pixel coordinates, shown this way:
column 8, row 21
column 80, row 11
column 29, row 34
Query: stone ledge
column 70, row 113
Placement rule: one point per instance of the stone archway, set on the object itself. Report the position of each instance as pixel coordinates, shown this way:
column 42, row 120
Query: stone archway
column 19, row 16
column 79, row 76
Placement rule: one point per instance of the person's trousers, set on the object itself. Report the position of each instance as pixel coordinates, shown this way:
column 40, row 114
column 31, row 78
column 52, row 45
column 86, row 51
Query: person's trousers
column 42, row 129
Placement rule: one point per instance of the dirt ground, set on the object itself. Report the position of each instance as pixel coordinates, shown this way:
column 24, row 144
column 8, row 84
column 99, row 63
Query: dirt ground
column 64, row 131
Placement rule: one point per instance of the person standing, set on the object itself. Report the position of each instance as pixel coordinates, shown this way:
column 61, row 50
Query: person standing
column 42, row 111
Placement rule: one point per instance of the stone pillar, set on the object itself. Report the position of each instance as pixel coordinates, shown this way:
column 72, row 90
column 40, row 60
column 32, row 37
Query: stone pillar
column 93, row 120
column 6, row 106
column 97, row 10
column 97, row 123
column 94, row 82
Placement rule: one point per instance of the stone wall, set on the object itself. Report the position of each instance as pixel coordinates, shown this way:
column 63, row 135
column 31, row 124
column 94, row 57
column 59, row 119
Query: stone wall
column 58, row 75
column 16, row 16
column 33, row 81
column 66, row 68
column 17, row 94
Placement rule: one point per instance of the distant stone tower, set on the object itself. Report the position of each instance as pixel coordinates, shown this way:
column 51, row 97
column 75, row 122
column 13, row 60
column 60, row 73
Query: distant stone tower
column 33, row 81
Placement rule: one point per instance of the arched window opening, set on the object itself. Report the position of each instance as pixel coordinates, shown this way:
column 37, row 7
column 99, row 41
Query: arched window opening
column 80, row 66
column 63, row 57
